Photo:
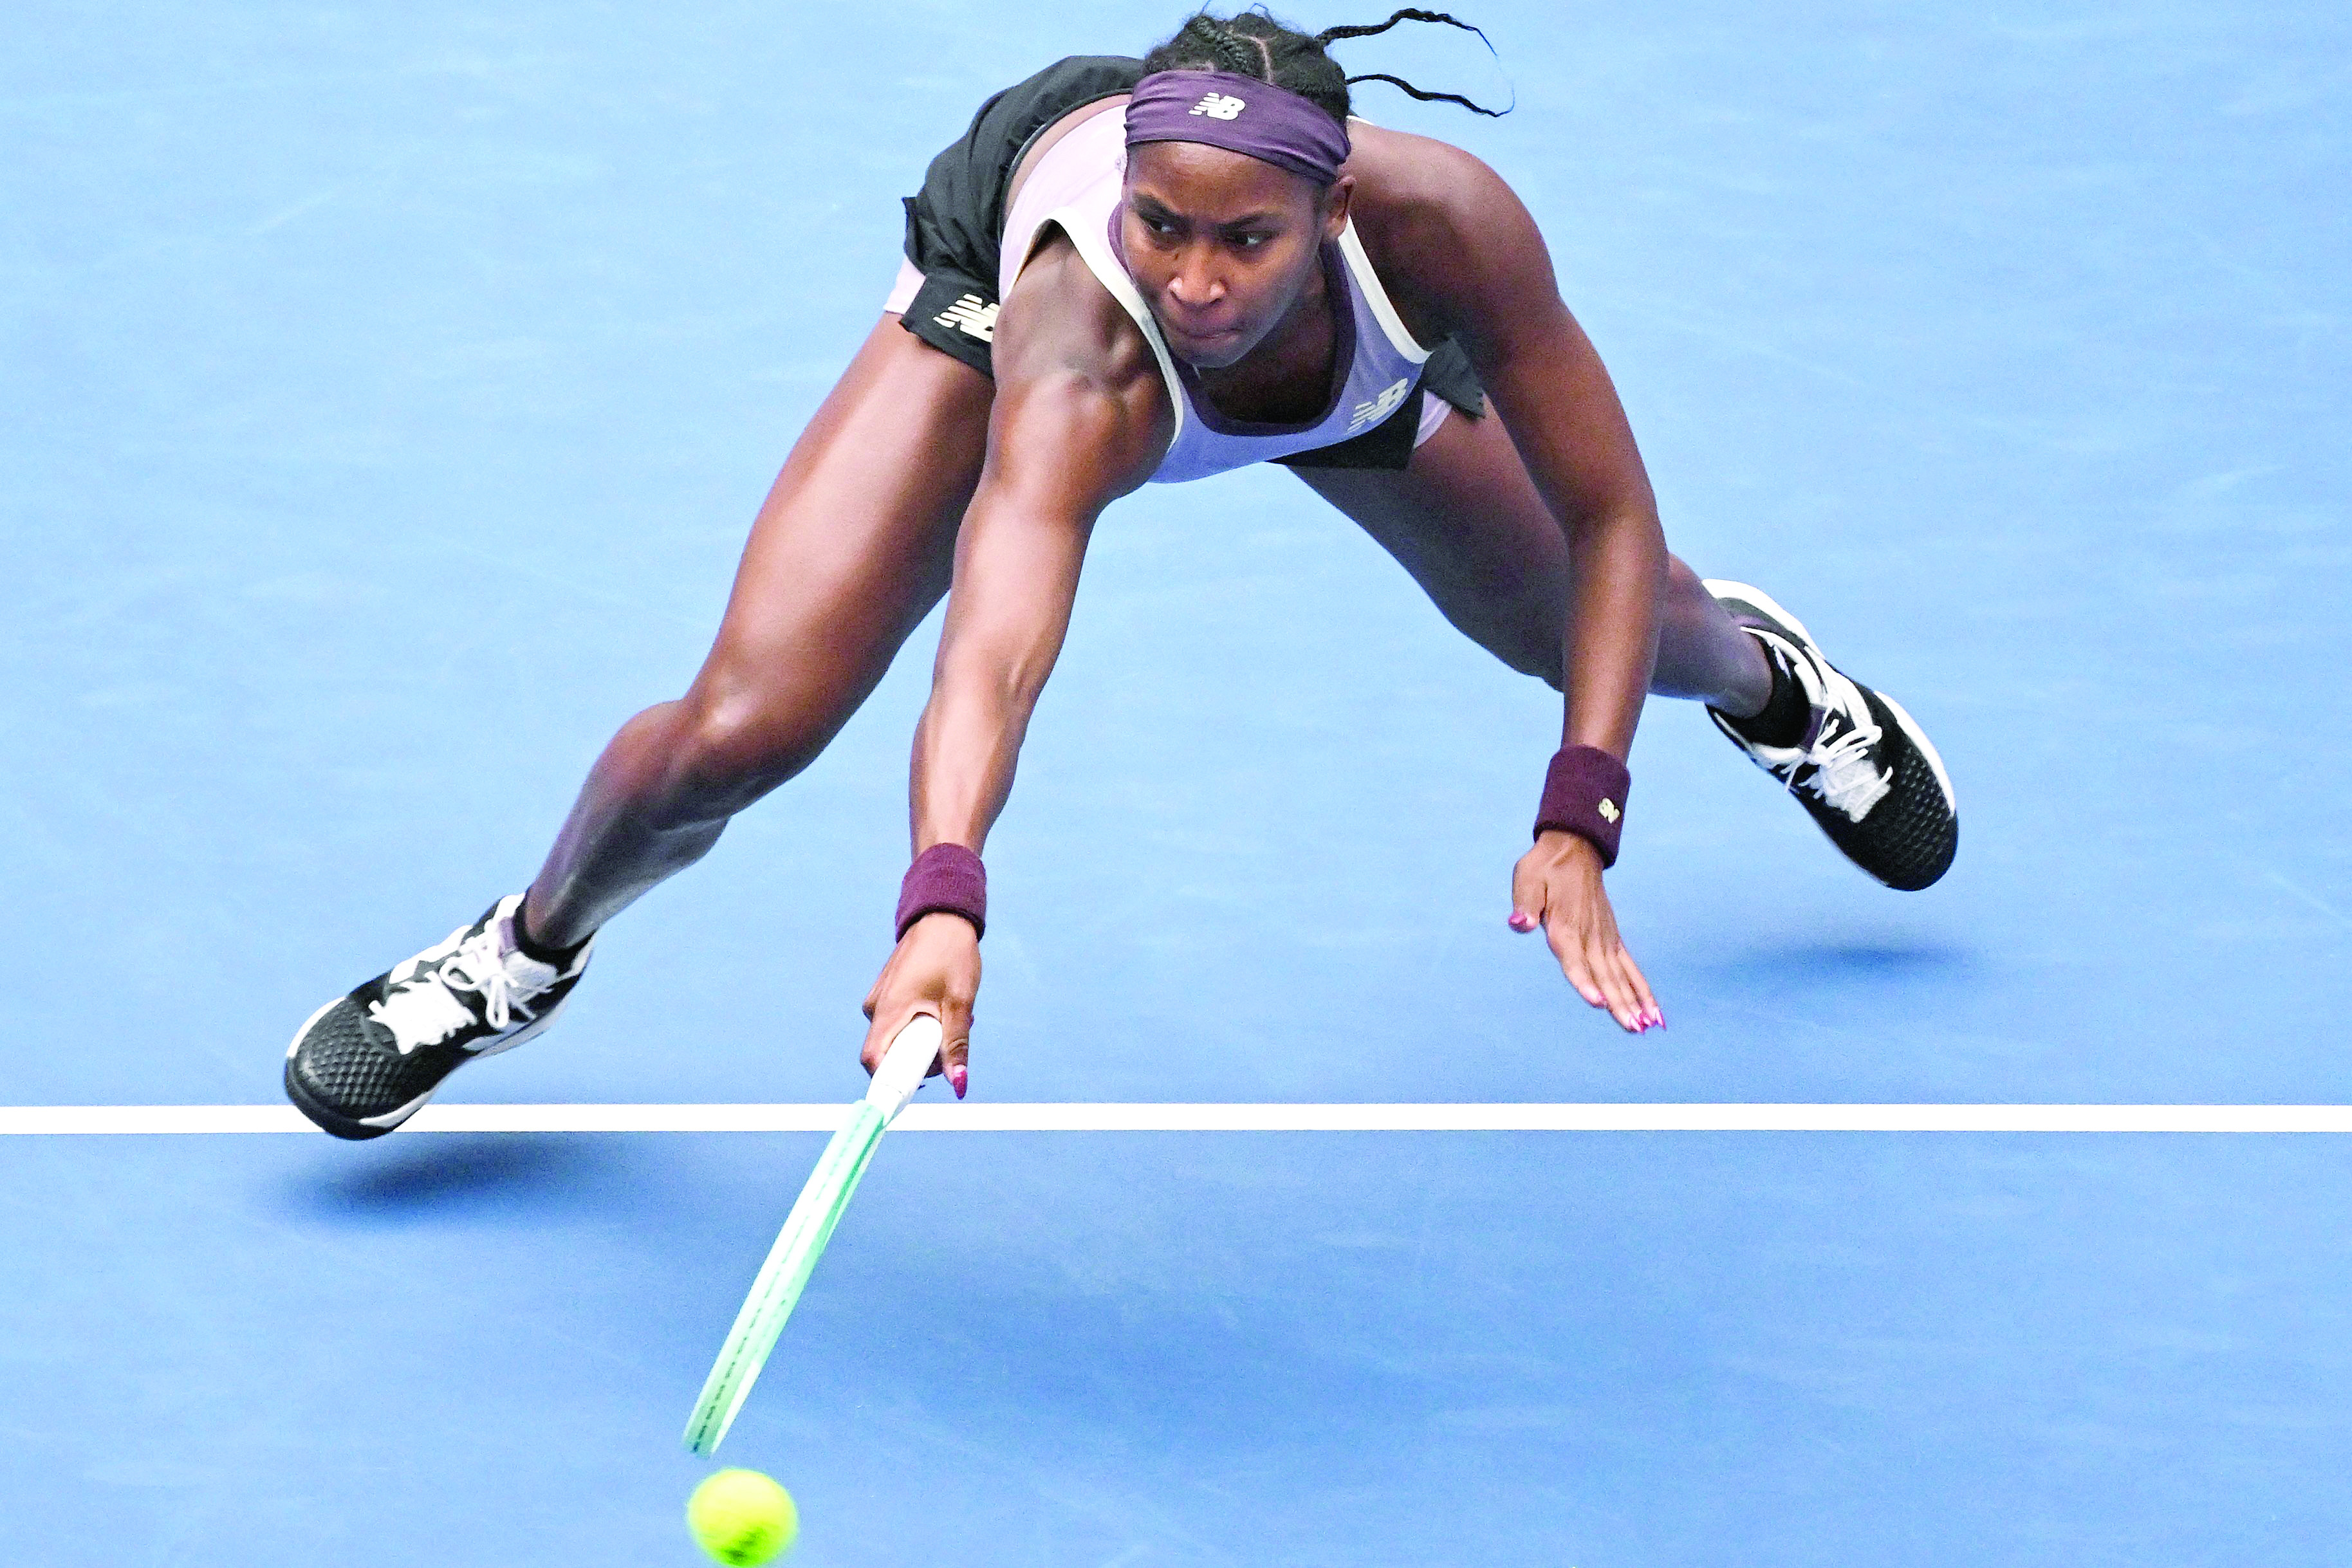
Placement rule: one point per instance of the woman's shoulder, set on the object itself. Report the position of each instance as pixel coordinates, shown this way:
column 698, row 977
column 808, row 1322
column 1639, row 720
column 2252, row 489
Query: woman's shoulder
column 1428, row 213
column 1061, row 320
column 1416, row 189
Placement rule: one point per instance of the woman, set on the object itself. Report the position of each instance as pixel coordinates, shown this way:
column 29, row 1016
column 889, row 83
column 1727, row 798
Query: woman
column 1130, row 271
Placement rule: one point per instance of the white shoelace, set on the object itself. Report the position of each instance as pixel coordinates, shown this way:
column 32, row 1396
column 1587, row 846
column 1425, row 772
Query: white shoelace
column 426, row 1010
column 1844, row 776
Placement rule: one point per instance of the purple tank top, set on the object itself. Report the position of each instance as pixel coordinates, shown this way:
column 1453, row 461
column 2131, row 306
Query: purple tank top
column 1075, row 186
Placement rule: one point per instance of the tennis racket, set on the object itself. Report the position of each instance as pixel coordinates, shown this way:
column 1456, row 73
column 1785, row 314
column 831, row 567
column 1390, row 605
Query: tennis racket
column 806, row 1230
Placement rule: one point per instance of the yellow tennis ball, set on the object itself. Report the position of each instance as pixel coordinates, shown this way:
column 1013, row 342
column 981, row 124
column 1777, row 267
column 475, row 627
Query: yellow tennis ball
column 741, row 1517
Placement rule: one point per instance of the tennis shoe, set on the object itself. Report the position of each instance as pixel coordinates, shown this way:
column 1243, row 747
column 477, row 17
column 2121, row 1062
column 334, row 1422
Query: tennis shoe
column 366, row 1061
column 1864, row 769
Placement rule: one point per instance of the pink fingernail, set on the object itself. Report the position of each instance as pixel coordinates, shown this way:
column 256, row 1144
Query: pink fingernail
column 957, row 1078
column 1522, row 922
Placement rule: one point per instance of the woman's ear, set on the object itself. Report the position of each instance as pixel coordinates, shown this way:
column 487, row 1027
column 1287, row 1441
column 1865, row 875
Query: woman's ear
column 1335, row 205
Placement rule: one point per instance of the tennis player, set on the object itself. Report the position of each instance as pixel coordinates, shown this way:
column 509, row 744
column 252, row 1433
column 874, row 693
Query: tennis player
column 1131, row 272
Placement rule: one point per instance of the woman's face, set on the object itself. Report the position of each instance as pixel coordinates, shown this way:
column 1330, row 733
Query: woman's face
column 1222, row 244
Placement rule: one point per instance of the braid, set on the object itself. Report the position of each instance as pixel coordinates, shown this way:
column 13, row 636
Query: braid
column 1228, row 52
column 1408, row 14
column 1413, row 13
column 1437, row 97
column 1253, row 43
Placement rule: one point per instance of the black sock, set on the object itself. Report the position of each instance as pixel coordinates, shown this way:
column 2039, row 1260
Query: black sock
column 1787, row 713
column 532, row 948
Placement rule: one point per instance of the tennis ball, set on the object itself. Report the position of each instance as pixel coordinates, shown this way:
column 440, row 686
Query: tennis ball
column 741, row 1517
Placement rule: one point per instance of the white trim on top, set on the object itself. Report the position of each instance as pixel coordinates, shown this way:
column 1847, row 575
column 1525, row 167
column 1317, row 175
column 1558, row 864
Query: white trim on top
column 1096, row 251
column 1377, row 296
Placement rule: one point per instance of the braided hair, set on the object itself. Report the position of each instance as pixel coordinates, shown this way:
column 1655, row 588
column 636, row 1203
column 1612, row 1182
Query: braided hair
column 1255, row 44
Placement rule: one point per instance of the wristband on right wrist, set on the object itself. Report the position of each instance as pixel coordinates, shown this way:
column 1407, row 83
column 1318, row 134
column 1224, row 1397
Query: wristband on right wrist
column 945, row 879
column 1584, row 794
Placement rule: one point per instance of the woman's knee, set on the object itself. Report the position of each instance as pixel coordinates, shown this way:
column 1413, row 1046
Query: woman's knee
column 728, row 744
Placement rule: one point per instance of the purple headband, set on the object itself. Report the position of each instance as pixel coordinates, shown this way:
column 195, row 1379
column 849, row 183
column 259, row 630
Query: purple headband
column 1239, row 114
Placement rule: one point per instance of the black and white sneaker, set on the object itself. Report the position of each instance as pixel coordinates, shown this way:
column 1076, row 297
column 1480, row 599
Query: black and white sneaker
column 365, row 1063
column 1863, row 768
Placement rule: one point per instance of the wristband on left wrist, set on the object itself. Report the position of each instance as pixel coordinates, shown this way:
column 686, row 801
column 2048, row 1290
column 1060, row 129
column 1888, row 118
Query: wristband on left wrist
column 1584, row 794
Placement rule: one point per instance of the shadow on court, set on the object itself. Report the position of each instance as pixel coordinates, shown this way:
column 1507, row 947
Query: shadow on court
column 450, row 1175
column 1853, row 959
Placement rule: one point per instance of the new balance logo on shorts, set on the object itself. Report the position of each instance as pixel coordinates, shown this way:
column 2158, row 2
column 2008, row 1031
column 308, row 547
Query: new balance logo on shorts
column 975, row 319
column 1221, row 106
column 1373, row 410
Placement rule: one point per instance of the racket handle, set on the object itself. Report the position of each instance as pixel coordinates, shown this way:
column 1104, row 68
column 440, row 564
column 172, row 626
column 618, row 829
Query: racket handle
column 905, row 1066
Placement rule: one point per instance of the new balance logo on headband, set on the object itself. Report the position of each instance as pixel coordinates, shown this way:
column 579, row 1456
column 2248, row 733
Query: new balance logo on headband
column 1221, row 106
column 975, row 319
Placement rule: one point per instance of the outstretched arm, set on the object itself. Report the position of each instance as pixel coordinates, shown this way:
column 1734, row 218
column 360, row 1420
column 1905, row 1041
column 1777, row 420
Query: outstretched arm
column 1016, row 573
column 1073, row 427
column 1486, row 274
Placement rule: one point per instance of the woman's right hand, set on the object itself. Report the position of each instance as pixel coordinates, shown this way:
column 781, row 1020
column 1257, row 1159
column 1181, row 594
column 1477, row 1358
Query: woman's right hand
column 935, row 970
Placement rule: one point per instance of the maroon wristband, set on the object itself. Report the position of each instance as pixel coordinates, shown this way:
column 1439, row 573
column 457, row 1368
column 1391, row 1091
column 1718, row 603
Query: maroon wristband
column 945, row 879
column 1584, row 794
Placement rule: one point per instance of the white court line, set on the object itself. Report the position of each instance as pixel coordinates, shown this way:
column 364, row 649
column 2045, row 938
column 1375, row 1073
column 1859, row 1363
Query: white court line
column 1223, row 1118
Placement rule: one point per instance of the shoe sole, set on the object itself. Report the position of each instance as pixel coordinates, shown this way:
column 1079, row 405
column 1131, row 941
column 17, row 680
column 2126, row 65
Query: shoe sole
column 331, row 1121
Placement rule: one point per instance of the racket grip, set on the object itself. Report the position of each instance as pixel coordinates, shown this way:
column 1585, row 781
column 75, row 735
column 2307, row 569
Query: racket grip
column 904, row 1066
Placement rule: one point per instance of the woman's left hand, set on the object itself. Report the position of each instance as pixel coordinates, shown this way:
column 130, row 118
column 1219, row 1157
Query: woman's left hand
column 1557, row 884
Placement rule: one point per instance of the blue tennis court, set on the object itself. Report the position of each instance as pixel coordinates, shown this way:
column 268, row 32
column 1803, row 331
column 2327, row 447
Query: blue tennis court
column 388, row 396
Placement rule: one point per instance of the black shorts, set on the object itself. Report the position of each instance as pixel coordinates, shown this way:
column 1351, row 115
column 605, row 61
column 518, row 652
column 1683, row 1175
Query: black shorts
column 955, row 228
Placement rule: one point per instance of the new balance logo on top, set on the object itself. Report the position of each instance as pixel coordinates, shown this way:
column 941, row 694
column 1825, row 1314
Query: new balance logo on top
column 1221, row 106
column 1373, row 410
column 977, row 319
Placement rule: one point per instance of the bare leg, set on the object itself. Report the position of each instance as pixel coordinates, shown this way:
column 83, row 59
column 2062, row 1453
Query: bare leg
column 1466, row 521
column 853, row 548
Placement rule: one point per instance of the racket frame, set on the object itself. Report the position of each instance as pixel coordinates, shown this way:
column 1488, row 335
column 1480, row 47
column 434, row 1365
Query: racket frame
column 806, row 1230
